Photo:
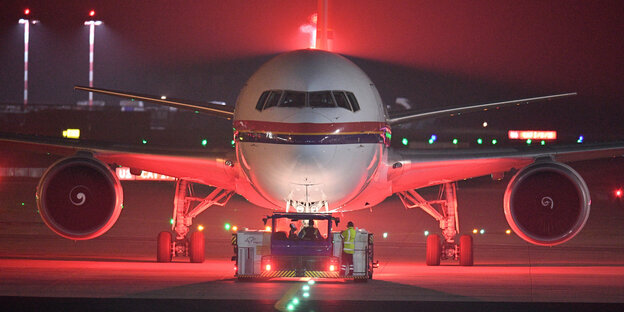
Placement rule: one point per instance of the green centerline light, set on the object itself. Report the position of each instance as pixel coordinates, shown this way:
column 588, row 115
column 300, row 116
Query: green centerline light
column 144, row 141
column 233, row 143
column 171, row 220
column 204, row 142
column 494, row 141
column 404, row 141
column 529, row 141
column 543, row 142
column 479, row 141
column 227, row 226
column 455, row 141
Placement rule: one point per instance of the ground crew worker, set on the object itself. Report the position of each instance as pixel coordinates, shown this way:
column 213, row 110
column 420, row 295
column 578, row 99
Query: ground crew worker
column 348, row 239
column 310, row 232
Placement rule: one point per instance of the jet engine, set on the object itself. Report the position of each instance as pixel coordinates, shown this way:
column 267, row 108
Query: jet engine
column 79, row 197
column 547, row 203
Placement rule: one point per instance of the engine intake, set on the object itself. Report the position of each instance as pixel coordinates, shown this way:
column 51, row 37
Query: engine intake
column 547, row 203
column 79, row 198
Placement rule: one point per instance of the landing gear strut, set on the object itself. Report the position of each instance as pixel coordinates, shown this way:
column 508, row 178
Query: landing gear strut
column 449, row 223
column 186, row 207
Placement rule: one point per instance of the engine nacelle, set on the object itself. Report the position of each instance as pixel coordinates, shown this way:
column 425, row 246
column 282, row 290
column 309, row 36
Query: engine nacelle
column 547, row 203
column 79, row 197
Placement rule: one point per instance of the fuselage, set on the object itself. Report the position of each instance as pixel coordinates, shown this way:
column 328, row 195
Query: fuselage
column 310, row 131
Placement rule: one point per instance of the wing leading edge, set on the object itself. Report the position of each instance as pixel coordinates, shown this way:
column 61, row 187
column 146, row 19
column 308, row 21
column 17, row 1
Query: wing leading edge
column 211, row 168
column 410, row 169
column 450, row 111
column 210, row 109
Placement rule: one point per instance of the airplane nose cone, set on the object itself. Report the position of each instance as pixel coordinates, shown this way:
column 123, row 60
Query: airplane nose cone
column 309, row 160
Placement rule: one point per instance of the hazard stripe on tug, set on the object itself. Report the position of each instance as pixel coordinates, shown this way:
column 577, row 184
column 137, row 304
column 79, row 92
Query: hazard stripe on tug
column 278, row 274
column 311, row 133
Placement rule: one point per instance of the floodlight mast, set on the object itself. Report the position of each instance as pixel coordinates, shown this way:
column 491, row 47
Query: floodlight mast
column 26, row 23
column 91, row 24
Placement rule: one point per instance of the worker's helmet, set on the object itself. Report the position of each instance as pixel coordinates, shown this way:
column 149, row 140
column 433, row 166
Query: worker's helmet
column 349, row 224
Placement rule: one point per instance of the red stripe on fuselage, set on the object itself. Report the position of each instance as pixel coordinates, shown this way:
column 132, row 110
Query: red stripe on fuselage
column 306, row 127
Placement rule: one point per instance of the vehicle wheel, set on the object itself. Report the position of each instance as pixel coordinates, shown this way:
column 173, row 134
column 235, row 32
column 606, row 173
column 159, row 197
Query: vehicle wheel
column 433, row 249
column 465, row 250
column 163, row 247
column 196, row 247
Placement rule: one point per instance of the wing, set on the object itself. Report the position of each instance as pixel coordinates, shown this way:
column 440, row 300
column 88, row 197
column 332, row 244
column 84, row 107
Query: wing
column 411, row 169
column 207, row 108
column 213, row 168
column 451, row 111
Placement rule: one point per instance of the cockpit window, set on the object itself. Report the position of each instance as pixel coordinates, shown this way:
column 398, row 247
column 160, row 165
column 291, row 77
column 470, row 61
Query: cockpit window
column 354, row 103
column 293, row 99
column 320, row 99
column 262, row 99
column 272, row 99
column 341, row 99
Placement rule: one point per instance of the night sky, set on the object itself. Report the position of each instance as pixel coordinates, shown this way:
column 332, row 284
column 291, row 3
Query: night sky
column 436, row 53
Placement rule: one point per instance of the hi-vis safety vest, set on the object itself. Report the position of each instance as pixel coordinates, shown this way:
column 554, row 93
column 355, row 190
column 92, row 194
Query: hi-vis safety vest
column 348, row 237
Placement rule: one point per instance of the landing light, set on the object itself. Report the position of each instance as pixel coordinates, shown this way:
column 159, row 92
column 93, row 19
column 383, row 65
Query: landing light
column 475, row 231
column 482, row 231
column 508, row 232
column 200, row 227
column 426, row 233
column 485, row 124
column 385, row 235
column 267, row 228
column 332, row 268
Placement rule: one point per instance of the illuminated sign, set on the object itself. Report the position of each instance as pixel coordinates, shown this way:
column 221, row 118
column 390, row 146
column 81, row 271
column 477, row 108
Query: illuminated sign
column 531, row 134
column 123, row 173
column 71, row 133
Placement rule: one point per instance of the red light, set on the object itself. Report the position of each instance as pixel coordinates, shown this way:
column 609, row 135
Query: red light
column 267, row 267
column 27, row 11
column 618, row 193
column 332, row 268
column 92, row 13
column 530, row 134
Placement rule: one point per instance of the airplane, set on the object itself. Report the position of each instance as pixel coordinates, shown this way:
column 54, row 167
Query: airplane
column 313, row 136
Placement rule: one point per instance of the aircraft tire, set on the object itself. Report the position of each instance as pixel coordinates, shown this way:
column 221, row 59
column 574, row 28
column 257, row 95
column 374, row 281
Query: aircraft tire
column 164, row 247
column 465, row 250
column 434, row 250
column 196, row 247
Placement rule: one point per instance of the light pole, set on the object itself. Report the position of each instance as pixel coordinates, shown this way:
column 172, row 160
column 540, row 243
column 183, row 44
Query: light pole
column 26, row 23
column 91, row 24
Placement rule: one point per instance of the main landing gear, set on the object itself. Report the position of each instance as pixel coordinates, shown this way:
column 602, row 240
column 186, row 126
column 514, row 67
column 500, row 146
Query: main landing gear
column 449, row 223
column 185, row 208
